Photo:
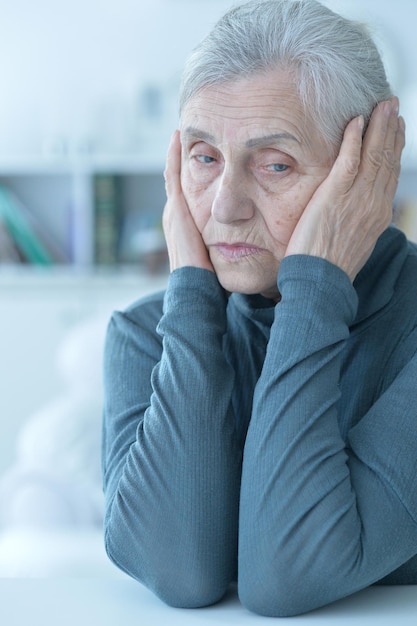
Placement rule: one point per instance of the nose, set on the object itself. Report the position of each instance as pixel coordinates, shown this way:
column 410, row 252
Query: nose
column 232, row 202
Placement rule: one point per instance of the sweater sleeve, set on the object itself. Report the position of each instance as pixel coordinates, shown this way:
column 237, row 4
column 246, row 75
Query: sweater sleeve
column 320, row 520
column 171, row 462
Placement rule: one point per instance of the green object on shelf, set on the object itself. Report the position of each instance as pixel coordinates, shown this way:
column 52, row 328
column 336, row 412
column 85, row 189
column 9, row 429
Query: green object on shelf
column 106, row 218
column 26, row 240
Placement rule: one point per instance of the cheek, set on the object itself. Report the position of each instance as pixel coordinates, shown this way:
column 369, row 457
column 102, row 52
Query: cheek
column 283, row 215
column 292, row 206
column 199, row 199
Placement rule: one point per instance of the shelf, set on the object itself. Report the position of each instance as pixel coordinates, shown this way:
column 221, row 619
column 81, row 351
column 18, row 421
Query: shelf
column 139, row 164
column 18, row 276
column 62, row 198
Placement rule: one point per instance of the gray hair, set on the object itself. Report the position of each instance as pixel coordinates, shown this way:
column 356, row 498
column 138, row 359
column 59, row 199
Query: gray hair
column 337, row 67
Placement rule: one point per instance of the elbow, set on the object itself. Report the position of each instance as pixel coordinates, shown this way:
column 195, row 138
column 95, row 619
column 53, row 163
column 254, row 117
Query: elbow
column 183, row 588
column 272, row 598
column 187, row 592
column 174, row 581
column 282, row 590
column 275, row 598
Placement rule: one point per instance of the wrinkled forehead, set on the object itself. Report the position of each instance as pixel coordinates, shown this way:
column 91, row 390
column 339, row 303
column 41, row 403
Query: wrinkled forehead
column 247, row 108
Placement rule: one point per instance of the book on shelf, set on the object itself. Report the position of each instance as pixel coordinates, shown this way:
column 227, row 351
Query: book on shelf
column 19, row 234
column 107, row 218
column 9, row 252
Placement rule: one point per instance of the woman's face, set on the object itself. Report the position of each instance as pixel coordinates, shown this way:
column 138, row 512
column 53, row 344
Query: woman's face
column 251, row 161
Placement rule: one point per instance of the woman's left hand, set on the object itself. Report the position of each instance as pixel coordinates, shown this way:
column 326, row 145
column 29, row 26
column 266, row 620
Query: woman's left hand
column 353, row 205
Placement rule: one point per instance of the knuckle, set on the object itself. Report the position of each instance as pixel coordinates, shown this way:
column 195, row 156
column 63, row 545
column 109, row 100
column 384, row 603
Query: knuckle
column 166, row 176
column 393, row 163
column 351, row 165
column 375, row 158
column 397, row 171
column 389, row 158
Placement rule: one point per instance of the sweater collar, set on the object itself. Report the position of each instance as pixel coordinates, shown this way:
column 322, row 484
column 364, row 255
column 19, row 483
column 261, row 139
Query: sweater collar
column 374, row 284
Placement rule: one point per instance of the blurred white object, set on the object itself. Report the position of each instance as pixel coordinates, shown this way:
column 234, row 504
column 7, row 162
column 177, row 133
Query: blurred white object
column 54, row 486
column 54, row 553
column 55, row 479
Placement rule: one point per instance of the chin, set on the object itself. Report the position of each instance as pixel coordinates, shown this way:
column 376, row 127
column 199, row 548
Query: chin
column 243, row 284
column 248, row 275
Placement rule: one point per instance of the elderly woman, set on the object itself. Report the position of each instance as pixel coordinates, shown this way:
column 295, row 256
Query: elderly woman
column 261, row 415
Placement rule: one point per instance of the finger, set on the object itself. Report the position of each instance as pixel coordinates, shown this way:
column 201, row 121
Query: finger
column 351, row 148
column 390, row 159
column 172, row 171
column 374, row 139
column 379, row 141
column 399, row 143
column 400, row 137
column 345, row 169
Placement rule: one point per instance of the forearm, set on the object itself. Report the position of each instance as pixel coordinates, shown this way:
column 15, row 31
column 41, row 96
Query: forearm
column 172, row 522
column 313, row 519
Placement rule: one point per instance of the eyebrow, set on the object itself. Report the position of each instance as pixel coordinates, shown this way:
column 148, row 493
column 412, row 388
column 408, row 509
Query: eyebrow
column 190, row 131
column 266, row 140
column 255, row 142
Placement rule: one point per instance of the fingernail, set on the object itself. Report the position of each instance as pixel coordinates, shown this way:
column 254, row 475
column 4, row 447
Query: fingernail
column 361, row 122
column 388, row 107
column 395, row 104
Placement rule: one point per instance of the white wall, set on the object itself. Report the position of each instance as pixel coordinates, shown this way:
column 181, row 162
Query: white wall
column 73, row 71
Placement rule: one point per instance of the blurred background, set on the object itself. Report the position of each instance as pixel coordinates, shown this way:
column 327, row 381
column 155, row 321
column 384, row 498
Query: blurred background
column 87, row 107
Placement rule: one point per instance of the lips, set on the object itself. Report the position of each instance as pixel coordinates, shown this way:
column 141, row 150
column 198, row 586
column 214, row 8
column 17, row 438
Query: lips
column 237, row 250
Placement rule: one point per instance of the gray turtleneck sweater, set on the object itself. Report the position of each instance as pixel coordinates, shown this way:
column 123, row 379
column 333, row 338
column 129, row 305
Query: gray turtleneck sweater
column 275, row 445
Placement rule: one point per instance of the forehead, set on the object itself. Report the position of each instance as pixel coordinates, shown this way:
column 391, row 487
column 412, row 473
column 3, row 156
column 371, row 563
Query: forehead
column 240, row 110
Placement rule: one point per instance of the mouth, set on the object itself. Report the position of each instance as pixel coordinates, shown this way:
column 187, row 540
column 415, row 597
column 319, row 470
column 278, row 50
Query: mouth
column 236, row 251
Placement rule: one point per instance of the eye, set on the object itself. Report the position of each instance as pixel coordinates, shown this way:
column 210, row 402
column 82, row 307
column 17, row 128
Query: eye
column 205, row 159
column 278, row 167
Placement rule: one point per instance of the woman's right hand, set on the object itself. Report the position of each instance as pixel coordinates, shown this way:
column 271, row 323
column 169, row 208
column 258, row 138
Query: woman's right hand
column 184, row 242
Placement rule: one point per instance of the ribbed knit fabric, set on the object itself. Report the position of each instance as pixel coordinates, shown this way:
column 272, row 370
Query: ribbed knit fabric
column 282, row 438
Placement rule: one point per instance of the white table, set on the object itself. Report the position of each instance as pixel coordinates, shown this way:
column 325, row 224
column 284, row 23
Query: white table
column 123, row 602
